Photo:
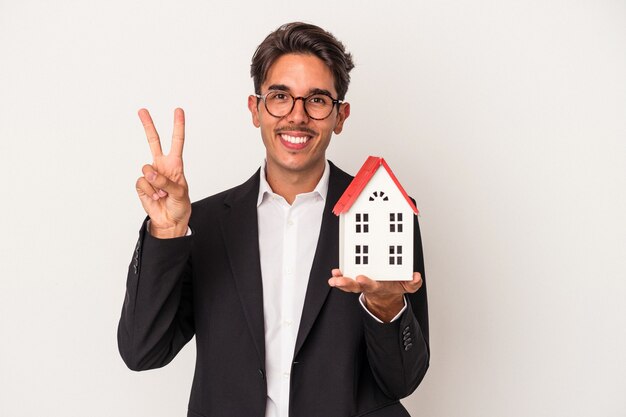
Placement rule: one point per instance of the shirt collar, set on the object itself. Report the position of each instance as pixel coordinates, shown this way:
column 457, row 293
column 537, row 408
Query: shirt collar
column 321, row 188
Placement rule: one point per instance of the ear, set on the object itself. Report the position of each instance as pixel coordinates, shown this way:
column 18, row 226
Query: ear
column 254, row 110
column 342, row 115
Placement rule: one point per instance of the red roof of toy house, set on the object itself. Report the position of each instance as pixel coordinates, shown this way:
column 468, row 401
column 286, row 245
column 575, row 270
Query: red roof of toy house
column 361, row 179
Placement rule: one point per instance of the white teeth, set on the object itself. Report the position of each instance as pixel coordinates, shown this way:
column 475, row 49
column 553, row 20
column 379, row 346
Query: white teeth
column 295, row 139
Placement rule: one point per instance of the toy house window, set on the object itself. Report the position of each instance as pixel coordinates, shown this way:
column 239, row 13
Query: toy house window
column 361, row 255
column 362, row 223
column 379, row 195
column 395, row 222
column 395, row 255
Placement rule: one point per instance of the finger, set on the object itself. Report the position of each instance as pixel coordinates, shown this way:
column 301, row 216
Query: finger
column 336, row 272
column 160, row 182
column 151, row 133
column 145, row 191
column 345, row 284
column 178, row 136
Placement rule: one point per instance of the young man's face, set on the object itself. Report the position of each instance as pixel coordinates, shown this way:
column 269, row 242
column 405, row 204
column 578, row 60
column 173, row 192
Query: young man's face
column 295, row 143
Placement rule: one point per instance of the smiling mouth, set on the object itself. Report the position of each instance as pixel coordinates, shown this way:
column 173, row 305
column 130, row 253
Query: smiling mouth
column 295, row 140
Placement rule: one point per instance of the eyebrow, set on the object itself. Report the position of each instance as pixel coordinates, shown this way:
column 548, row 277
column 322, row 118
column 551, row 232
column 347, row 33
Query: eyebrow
column 283, row 87
column 320, row 91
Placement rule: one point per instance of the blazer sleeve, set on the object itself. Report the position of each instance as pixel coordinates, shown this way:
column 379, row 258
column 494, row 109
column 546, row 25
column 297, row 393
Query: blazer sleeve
column 157, row 315
column 399, row 352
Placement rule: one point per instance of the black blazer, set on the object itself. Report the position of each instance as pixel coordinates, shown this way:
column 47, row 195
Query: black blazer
column 209, row 285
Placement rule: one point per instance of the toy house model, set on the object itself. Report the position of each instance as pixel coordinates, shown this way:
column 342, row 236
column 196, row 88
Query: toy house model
column 376, row 225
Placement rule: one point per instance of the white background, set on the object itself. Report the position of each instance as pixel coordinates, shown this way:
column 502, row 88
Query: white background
column 505, row 119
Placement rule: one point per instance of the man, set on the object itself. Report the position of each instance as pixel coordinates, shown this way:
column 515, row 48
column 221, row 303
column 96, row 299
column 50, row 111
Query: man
column 249, row 271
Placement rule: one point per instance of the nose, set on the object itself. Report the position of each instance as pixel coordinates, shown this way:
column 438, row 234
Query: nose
column 298, row 114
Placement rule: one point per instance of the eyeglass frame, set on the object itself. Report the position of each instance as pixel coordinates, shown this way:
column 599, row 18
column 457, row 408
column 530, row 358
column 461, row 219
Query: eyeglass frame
column 293, row 103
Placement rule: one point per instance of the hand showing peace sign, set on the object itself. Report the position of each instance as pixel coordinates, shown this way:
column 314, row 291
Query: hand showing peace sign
column 163, row 190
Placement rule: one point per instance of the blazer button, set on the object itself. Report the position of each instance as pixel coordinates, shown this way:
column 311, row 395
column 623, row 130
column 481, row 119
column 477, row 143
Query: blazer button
column 408, row 347
column 407, row 336
column 406, row 330
column 407, row 341
column 261, row 373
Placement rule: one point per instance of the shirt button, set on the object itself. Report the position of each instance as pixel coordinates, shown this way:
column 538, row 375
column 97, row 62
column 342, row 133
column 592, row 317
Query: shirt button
column 285, row 374
column 288, row 323
column 288, row 271
column 290, row 222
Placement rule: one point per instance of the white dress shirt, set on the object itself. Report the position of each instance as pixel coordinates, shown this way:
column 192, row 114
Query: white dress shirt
column 288, row 237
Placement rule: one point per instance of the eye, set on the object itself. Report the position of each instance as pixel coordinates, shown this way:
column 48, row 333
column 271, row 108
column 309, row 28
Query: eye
column 278, row 96
column 319, row 100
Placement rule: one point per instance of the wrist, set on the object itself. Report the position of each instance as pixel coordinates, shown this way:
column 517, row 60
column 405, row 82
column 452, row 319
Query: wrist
column 171, row 232
column 385, row 308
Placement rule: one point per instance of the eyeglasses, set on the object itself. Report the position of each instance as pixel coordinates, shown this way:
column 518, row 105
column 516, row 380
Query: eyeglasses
column 317, row 106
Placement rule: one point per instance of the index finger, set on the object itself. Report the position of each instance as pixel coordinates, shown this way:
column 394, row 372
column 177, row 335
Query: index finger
column 151, row 133
column 178, row 136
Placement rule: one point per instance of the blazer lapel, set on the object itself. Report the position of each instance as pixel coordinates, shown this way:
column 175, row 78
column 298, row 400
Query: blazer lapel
column 326, row 257
column 241, row 233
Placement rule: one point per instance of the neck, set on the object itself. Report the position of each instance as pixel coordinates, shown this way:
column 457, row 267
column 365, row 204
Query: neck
column 290, row 184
